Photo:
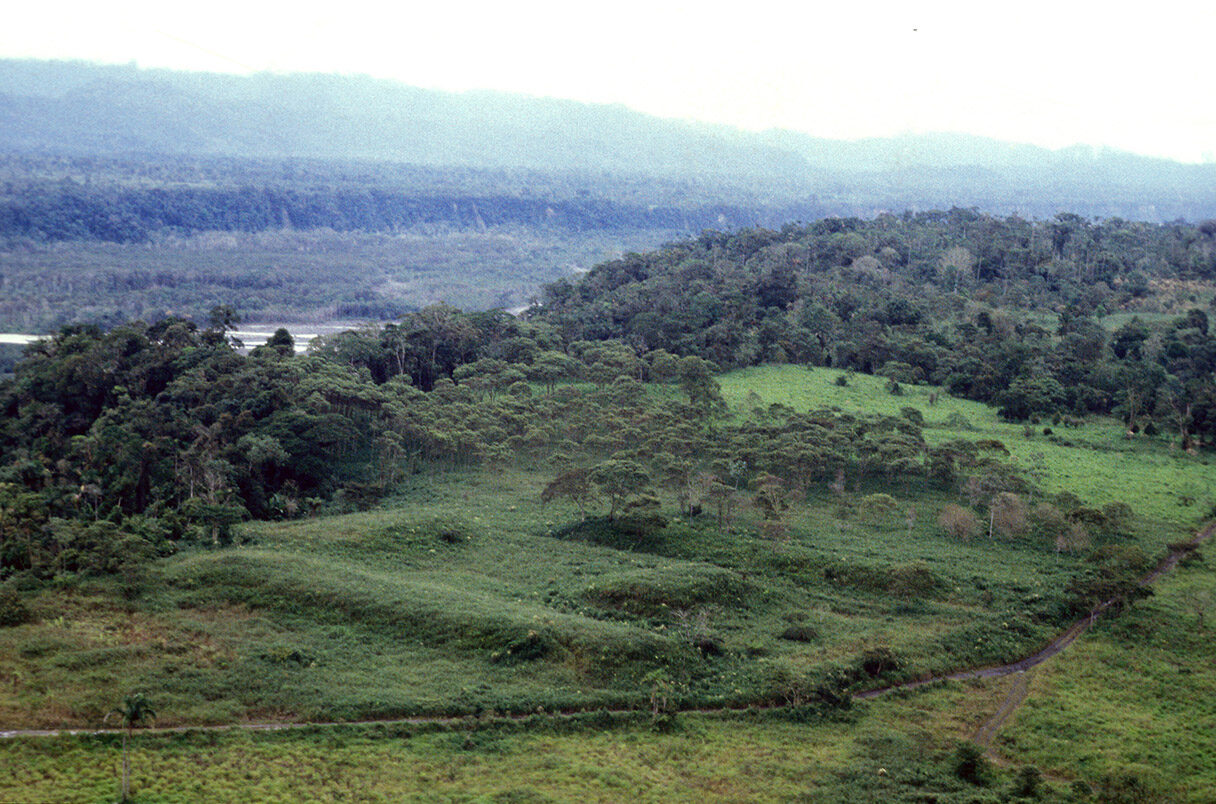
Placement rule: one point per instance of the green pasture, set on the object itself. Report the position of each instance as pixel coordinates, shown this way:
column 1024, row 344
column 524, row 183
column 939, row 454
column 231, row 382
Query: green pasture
column 896, row 750
column 1097, row 461
column 462, row 595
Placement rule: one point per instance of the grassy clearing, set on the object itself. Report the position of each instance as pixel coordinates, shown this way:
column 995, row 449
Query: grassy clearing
column 1096, row 461
column 706, row 758
column 413, row 610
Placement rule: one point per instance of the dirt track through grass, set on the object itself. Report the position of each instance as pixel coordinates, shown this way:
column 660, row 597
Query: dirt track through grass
column 1017, row 694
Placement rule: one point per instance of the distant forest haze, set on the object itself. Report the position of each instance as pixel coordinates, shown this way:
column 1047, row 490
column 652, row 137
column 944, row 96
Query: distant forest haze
column 128, row 193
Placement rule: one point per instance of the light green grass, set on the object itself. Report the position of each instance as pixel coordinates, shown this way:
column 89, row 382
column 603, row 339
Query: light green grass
column 1137, row 695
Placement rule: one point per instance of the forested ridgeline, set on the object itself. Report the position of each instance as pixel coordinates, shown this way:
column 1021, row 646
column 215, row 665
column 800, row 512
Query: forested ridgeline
column 1005, row 311
column 134, row 215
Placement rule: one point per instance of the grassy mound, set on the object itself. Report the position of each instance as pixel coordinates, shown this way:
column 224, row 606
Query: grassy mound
column 658, row 591
column 417, row 607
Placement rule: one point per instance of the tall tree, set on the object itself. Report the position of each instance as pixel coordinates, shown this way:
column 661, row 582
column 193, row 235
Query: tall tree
column 135, row 711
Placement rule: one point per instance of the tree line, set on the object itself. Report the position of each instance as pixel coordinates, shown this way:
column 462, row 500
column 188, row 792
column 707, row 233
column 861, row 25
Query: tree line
column 119, row 445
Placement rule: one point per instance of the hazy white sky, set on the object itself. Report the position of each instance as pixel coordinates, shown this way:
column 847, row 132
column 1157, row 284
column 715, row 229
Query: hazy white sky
column 1051, row 73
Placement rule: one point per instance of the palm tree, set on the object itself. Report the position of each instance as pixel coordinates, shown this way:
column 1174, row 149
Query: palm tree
column 134, row 711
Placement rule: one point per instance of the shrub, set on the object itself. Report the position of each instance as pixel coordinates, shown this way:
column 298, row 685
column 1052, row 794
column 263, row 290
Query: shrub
column 842, row 381
column 899, row 371
column 957, row 421
column 912, row 580
column 526, row 648
column 655, row 591
column 876, row 662
column 905, row 580
column 1119, row 516
column 1067, row 501
column 1048, row 522
column 13, row 610
column 970, row 764
column 800, row 633
column 1009, row 516
column 449, row 530
column 876, row 507
column 992, row 445
column 1073, row 539
column 958, row 522
column 1027, row 781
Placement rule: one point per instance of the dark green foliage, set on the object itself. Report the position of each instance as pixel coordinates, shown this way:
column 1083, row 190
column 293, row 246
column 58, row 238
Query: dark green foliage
column 1113, row 576
column 13, row 610
column 971, row 765
column 1126, row 788
column 529, row 647
column 800, row 633
column 285, row 654
column 878, row 662
column 657, row 592
column 1027, row 782
column 850, row 317
column 913, row 580
column 624, row 533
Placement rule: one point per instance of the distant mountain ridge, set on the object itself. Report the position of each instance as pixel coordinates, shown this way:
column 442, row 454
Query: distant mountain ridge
column 77, row 107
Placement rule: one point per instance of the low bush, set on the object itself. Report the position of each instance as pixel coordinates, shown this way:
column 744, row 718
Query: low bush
column 13, row 610
column 912, row 580
column 800, row 633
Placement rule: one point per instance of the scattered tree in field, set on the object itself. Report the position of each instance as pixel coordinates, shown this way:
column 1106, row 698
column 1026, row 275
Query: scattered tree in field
column 676, row 475
column 1119, row 516
column 1007, row 516
column 575, row 485
column 958, row 522
column 722, row 496
column 618, row 480
column 837, row 486
column 1048, row 523
column 135, row 711
column 1073, row 538
column 771, row 496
